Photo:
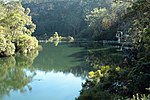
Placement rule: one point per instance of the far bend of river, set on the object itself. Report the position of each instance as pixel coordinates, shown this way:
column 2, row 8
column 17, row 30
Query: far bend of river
column 55, row 73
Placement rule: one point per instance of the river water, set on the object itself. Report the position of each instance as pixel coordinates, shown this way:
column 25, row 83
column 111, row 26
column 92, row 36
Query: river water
column 54, row 73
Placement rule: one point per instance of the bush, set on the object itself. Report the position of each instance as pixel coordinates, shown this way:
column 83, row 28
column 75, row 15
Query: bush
column 10, row 49
column 2, row 44
column 26, row 43
column 7, row 48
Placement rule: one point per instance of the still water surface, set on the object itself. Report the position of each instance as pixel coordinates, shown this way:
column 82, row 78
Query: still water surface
column 55, row 73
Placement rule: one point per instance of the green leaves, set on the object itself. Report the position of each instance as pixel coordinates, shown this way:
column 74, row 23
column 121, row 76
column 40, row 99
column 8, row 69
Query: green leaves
column 117, row 68
column 103, row 72
column 26, row 43
column 10, row 49
column 2, row 44
column 97, row 75
column 91, row 74
column 98, row 16
column 16, row 28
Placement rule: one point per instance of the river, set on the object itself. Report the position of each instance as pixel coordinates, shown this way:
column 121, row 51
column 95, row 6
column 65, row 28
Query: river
column 54, row 73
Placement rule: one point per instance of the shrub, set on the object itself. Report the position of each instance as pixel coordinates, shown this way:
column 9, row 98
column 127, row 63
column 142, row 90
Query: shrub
column 26, row 43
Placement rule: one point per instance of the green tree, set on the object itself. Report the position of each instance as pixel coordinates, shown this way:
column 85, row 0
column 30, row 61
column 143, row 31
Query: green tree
column 103, row 21
column 15, row 23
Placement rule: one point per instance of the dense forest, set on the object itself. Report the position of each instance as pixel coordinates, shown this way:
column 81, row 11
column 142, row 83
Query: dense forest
column 90, row 20
column 65, row 17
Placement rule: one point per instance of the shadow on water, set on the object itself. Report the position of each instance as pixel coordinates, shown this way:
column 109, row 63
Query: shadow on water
column 76, row 57
column 104, row 55
column 61, row 58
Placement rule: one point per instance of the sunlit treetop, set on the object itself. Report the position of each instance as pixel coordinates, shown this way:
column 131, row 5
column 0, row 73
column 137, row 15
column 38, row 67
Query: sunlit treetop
column 6, row 1
column 15, row 23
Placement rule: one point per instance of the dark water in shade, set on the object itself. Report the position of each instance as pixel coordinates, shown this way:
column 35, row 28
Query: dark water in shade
column 55, row 73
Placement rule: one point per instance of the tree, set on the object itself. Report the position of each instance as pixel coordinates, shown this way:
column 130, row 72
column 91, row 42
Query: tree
column 15, row 23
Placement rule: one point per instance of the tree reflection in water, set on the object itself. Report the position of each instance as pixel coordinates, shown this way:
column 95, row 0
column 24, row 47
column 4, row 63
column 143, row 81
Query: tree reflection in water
column 63, row 58
column 104, row 56
column 13, row 75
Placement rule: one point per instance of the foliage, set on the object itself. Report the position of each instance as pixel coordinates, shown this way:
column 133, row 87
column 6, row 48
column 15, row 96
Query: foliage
column 140, row 97
column 96, row 76
column 10, row 49
column 63, row 16
column 140, row 22
column 103, row 22
column 99, row 17
column 113, row 80
column 139, row 30
column 14, row 25
column 98, row 95
column 100, row 82
column 26, row 43
column 140, row 74
column 56, row 39
column 127, row 79
column 96, row 19
column 6, row 47
column 2, row 44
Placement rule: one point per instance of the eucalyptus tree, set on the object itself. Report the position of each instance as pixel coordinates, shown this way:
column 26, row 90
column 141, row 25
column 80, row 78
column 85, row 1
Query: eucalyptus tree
column 16, row 29
column 103, row 21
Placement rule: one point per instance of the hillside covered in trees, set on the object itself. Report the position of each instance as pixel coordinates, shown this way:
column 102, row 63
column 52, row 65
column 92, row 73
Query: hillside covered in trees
column 63, row 16
column 96, row 19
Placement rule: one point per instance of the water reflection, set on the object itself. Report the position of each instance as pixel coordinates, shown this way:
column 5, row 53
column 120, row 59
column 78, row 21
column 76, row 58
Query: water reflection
column 44, row 73
column 63, row 58
column 55, row 73
column 106, row 55
column 13, row 75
